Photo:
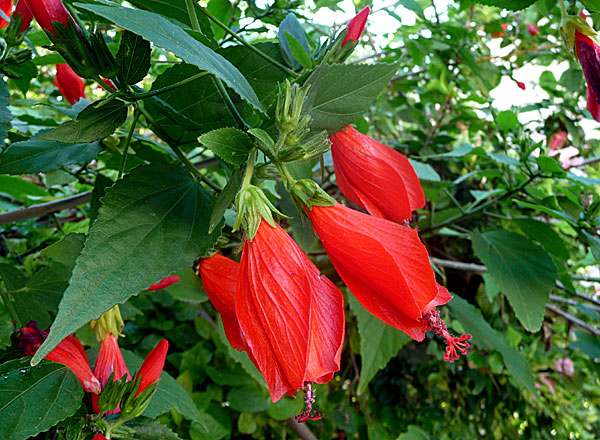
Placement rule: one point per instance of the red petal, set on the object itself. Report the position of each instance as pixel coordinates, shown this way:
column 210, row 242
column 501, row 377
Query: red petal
column 26, row 16
column 384, row 264
column 71, row 86
column 70, row 352
column 291, row 315
column 153, row 365
column 356, row 26
column 219, row 278
column 47, row 11
column 164, row 283
column 7, row 8
column 374, row 176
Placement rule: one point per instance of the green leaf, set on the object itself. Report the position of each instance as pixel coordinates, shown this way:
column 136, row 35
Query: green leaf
column 33, row 399
column 6, row 328
column 189, row 288
column 285, row 407
column 133, row 58
column 379, row 342
column 230, row 144
column 152, row 222
column 291, row 27
column 225, row 199
column 549, row 164
column 513, row 5
column 208, row 429
column 95, row 122
column 424, row 171
column 146, row 429
column 592, row 5
column 100, row 186
column 5, row 113
column 20, row 189
column 341, row 93
column 521, row 269
column 298, row 52
column 222, row 10
column 507, row 120
column 248, row 399
column 35, row 156
column 163, row 33
column 485, row 337
column 545, row 235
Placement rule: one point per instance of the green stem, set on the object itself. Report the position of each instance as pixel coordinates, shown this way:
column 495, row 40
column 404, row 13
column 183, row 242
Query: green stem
column 136, row 117
column 563, row 9
column 151, row 93
column 248, row 45
column 229, row 103
column 192, row 14
column 249, row 169
column 11, row 309
column 288, row 179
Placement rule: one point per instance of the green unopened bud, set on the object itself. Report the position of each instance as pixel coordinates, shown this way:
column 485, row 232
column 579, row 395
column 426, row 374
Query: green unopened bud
column 112, row 393
column 133, row 406
column 289, row 106
column 252, row 206
column 13, row 35
column 312, row 147
column 266, row 171
column 306, row 193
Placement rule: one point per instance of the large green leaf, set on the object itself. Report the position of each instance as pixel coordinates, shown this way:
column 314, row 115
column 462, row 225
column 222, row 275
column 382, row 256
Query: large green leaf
column 33, row 399
column 152, row 222
column 230, row 144
column 34, row 156
column 487, row 338
column 133, row 58
column 341, row 93
column 545, row 235
column 163, row 33
column 20, row 189
column 379, row 342
column 95, row 122
column 291, row 27
column 522, row 269
column 147, row 429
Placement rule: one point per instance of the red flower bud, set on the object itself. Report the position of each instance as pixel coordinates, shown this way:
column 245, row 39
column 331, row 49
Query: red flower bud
column 69, row 352
column 219, row 278
column 46, row 12
column 153, row 365
column 397, row 285
column 588, row 53
column 374, row 176
column 25, row 14
column 99, row 437
column 165, row 282
column 7, row 8
column 110, row 359
column 521, row 85
column 502, row 32
column 533, row 29
column 291, row 315
column 70, row 85
column 356, row 26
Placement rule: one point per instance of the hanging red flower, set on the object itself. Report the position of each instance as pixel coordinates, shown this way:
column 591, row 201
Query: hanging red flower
column 69, row 352
column 46, row 12
column 25, row 14
column 374, row 176
column 386, row 267
column 588, row 53
column 110, row 360
column 70, row 85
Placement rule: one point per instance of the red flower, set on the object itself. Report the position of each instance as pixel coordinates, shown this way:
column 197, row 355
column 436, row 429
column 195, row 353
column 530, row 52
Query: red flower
column 99, row 437
column 48, row 11
column 69, row 352
column 374, row 176
column 7, row 8
column 588, row 53
column 26, row 16
column 356, row 26
column 387, row 268
column 219, row 278
column 521, row 85
column 292, row 317
column 152, row 366
column 109, row 360
column 558, row 140
column 502, row 32
column 533, row 29
column 70, row 85
column 165, row 282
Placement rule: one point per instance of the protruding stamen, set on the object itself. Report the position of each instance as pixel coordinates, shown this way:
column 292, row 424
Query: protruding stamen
column 455, row 344
column 309, row 400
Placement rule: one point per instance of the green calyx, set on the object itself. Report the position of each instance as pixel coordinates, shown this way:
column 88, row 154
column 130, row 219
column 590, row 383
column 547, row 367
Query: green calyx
column 288, row 113
column 133, row 405
column 570, row 24
column 112, row 393
column 306, row 193
column 252, row 207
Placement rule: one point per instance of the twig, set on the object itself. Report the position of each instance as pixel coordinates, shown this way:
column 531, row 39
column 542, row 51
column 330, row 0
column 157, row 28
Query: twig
column 573, row 302
column 578, row 294
column 45, row 208
column 300, row 429
column 407, row 75
column 459, row 265
column 573, row 320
